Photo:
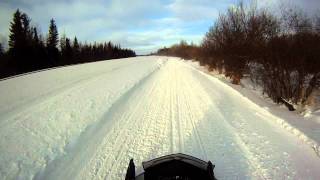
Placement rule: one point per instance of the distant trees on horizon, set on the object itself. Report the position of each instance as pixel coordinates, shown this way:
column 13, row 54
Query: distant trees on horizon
column 30, row 51
column 183, row 50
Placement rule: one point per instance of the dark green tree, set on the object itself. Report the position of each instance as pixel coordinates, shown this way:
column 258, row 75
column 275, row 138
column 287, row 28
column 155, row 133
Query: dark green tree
column 28, row 61
column 18, row 45
column 16, row 33
column 76, row 50
column 52, row 42
column 68, row 52
column 76, row 45
column 40, row 56
column 27, row 30
column 63, row 50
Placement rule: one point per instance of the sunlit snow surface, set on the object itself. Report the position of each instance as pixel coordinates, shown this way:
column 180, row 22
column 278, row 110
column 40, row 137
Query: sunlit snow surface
column 88, row 121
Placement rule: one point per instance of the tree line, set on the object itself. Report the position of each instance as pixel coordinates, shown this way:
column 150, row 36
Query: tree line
column 30, row 51
column 183, row 50
column 280, row 53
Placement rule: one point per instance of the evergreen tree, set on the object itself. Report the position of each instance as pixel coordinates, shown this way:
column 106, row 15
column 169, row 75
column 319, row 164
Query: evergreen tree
column 28, row 61
column 16, row 33
column 27, row 32
column 68, row 52
column 76, row 44
column 52, row 42
column 17, row 42
column 76, row 50
column 40, row 57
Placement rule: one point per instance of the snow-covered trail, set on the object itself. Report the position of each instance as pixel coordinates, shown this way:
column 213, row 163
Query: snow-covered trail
column 92, row 129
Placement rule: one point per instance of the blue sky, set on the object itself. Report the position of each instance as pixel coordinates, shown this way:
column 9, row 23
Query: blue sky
column 143, row 25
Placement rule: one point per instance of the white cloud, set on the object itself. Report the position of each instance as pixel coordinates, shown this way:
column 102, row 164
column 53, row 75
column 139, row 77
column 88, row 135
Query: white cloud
column 193, row 10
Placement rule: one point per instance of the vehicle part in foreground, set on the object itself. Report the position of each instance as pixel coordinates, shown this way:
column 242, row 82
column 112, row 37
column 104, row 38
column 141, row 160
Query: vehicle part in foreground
column 175, row 166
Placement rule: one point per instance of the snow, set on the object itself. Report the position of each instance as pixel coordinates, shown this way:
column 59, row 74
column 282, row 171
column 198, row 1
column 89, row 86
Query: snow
column 88, row 121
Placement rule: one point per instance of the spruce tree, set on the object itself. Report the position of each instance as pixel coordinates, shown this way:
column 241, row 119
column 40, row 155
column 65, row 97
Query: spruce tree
column 17, row 43
column 76, row 50
column 27, row 32
column 16, row 32
column 76, row 46
column 28, row 61
column 68, row 45
column 52, row 40
column 68, row 52
column 38, row 50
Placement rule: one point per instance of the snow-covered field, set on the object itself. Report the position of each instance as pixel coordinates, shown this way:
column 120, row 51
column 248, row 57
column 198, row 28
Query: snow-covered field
column 87, row 121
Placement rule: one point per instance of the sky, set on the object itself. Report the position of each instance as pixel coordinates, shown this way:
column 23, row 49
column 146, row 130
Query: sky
column 142, row 25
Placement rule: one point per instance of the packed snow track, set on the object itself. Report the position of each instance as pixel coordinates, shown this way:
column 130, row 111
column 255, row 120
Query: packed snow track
column 88, row 121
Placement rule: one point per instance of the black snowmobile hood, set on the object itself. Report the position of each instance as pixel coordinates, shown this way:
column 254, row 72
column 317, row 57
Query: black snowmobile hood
column 174, row 166
column 178, row 157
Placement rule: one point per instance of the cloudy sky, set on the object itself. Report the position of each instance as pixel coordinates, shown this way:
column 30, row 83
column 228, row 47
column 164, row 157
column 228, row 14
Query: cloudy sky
column 143, row 25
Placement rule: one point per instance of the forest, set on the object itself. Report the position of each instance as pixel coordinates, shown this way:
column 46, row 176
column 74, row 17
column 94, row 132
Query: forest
column 279, row 52
column 30, row 51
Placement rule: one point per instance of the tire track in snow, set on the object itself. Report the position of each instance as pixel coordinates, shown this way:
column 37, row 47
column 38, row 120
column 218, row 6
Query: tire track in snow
column 193, row 117
column 173, row 115
column 117, row 162
column 202, row 98
column 127, row 139
column 187, row 96
column 178, row 105
column 202, row 141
